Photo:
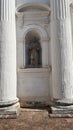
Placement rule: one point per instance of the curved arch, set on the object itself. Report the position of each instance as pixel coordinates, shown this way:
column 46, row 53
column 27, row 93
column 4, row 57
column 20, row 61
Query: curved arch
column 31, row 35
column 38, row 29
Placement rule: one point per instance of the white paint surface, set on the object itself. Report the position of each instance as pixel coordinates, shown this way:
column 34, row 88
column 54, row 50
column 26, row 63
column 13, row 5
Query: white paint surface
column 8, row 76
column 61, row 50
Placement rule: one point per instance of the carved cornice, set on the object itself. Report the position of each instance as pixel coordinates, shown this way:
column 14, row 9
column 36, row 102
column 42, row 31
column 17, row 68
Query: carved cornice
column 32, row 10
column 29, row 13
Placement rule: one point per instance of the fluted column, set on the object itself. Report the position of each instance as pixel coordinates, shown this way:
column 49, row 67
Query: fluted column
column 8, row 79
column 61, row 52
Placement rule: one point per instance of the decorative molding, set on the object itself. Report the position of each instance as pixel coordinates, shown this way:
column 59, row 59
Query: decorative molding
column 36, row 13
column 39, row 29
column 36, row 20
column 34, row 72
column 33, row 14
column 34, row 6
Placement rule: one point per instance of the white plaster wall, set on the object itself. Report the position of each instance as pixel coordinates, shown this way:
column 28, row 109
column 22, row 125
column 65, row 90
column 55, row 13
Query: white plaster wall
column 34, row 82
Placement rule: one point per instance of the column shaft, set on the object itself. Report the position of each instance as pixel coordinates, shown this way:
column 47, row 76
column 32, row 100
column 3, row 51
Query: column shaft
column 8, row 78
column 62, row 51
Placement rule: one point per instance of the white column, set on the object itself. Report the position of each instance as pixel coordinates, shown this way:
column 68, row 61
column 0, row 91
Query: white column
column 61, row 51
column 8, row 78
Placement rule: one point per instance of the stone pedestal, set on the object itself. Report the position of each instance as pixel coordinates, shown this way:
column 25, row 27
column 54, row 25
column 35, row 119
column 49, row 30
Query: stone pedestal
column 62, row 77
column 8, row 77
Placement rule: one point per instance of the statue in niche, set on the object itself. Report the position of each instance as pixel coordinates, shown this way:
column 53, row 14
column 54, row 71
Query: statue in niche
column 33, row 53
column 34, row 56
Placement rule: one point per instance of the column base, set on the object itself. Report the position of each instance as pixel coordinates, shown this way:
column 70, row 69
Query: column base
column 62, row 108
column 10, row 111
column 61, row 111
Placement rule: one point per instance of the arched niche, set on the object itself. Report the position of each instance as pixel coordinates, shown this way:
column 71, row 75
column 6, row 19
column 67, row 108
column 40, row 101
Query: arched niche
column 40, row 34
column 32, row 50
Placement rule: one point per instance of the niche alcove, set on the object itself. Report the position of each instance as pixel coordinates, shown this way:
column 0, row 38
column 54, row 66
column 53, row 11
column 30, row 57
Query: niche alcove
column 32, row 50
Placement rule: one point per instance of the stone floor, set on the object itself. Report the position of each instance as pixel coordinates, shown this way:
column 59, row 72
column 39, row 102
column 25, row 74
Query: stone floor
column 36, row 119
